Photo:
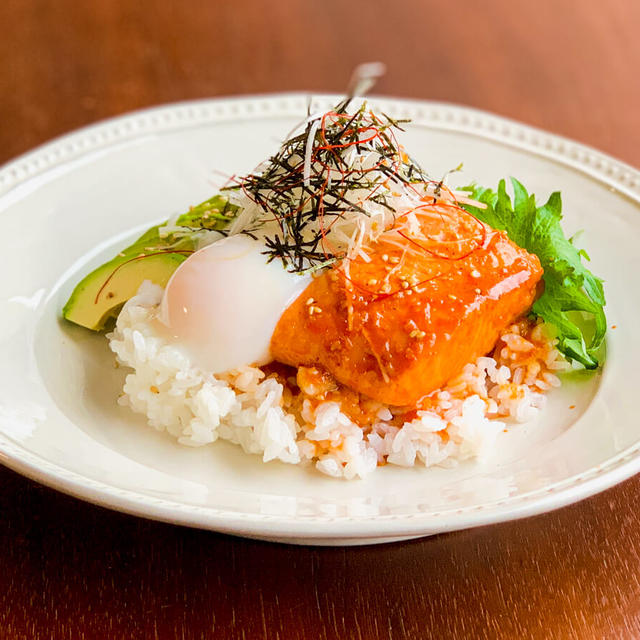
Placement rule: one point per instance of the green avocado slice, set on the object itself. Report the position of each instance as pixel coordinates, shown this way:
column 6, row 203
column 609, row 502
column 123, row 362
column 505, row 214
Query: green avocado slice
column 102, row 293
column 154, row 256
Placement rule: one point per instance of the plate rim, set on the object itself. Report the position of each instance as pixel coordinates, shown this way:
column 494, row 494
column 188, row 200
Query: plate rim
column 282, row 526
column 440, row 116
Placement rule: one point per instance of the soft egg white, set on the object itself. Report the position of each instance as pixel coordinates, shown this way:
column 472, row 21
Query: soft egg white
column 222, row 304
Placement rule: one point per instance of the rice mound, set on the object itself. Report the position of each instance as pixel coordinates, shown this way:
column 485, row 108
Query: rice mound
column 248, row 408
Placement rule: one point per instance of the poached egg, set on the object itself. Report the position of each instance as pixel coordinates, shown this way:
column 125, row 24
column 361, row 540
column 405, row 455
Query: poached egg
column 223, row 303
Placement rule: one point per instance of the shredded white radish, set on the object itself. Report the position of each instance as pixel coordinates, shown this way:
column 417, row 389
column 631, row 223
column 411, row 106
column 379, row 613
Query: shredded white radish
column 308, row 152
column 340, row 216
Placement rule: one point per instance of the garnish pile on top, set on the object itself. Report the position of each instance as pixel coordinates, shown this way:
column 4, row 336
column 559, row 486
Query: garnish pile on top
column 341, row 168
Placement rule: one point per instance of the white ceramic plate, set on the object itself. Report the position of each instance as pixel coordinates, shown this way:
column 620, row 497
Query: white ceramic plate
column 68, row 205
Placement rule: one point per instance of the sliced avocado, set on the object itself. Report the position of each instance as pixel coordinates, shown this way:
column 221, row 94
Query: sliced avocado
column 101, row 294
column 153, row 256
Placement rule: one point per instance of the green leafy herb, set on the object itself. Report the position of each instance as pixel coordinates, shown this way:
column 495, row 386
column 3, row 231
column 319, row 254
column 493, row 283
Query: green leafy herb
column 573, row 297
column 213, row 214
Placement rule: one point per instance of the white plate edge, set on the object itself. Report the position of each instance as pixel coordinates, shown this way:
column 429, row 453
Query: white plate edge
column 437, row 115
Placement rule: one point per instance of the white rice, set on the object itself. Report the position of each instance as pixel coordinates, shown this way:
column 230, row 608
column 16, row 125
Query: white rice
column 249, row 409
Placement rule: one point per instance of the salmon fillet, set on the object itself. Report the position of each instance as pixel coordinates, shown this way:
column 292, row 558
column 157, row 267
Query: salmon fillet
column 399, row 321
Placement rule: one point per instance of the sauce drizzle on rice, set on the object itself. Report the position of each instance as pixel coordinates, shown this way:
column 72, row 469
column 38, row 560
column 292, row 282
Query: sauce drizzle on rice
column 308, row 418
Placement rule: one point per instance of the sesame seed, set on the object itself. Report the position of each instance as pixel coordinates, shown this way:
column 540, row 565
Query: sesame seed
column 417, row 334
column 372, row 282
column 394, row 260
column 385, row 257
column 404, row 284
column 475, row 274
column 478, row 291
column 309, row 301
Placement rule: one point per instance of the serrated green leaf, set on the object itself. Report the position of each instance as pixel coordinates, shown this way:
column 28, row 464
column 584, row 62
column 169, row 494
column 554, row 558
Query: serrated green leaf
column 569, row 286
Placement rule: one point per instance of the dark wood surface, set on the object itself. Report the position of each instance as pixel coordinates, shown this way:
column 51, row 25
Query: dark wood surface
column 72, row 570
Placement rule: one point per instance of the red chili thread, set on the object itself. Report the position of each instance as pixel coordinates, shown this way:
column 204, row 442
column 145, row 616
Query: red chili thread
column 124, row 264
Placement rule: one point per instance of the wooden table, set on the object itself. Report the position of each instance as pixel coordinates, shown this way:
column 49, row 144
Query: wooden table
column 71, row 570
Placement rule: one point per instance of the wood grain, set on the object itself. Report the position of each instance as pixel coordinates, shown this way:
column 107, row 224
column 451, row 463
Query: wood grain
column 71, row 570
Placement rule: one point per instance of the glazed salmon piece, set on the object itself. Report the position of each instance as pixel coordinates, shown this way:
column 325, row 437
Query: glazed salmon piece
column 400, row 321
